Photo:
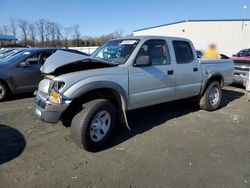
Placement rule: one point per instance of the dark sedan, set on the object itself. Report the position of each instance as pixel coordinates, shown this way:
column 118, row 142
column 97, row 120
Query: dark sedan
column 20, row 73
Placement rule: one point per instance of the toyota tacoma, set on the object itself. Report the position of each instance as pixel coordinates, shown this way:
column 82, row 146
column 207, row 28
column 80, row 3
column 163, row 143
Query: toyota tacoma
column 92, row 93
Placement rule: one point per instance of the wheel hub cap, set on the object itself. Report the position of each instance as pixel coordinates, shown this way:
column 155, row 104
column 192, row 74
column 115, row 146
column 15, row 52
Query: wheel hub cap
column 214, row 96
column 100, row 126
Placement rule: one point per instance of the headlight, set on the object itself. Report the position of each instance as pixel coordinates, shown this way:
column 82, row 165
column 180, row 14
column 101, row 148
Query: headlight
column 44, row 87
column 57, row 85
column 55, row 97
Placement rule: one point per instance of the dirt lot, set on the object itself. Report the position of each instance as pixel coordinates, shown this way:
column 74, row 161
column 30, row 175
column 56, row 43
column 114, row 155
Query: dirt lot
column 170, row 145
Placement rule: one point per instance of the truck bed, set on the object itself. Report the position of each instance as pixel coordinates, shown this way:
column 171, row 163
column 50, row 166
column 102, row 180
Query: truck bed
column 223, row 67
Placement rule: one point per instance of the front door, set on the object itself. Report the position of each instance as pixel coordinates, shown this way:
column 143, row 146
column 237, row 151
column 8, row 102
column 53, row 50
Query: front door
column 27, row 78
column 154, row 83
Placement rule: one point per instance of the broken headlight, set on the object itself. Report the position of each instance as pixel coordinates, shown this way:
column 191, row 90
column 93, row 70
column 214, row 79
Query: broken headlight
column 57, row 85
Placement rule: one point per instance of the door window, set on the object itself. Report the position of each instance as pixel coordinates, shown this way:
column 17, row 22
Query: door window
column 183, row 52
column 157, row 51
column 43, row 56
column 39, row 58
column 33, row 59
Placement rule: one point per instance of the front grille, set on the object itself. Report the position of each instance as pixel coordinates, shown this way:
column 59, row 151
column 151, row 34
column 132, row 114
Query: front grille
column 241, row 62
column 40, row 103
column 242, row 68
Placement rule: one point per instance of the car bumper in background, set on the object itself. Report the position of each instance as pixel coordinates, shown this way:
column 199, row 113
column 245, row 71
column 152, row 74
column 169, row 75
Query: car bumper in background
column 239, row 76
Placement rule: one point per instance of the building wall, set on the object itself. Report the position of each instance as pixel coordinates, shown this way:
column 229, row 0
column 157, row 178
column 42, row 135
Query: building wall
column 229, row 36
column 87, row 50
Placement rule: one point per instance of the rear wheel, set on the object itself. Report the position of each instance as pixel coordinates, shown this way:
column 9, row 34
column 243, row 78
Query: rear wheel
column 3, row 92
column 212, row 97
column 92, row 127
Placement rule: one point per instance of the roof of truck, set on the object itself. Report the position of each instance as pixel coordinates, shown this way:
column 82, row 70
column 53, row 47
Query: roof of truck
column 147, row 37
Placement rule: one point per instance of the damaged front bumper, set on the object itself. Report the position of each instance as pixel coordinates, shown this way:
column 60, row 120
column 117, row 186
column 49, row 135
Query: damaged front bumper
column 48, row 111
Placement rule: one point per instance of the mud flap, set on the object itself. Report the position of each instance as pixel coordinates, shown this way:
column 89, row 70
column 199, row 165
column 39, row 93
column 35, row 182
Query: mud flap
column 123, row 113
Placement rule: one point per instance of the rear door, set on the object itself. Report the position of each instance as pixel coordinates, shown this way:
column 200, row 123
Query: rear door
column 188, row 80
column 154, row 83
column 28, row 78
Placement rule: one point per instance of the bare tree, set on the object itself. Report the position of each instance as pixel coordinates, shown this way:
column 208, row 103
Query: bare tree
column 118, row 33
column 47, row 32
column 13, row 26
column 24, row 26
column 58, row 31
column 32, row 31
column 5, row 29
column 52, row 31
column 41, row 29
column 66, row 31
column 77, row 34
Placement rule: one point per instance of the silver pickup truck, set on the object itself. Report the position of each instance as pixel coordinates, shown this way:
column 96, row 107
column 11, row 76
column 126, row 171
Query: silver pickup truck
column 92, row 94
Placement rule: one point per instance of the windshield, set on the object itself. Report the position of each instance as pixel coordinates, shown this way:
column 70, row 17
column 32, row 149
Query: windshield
column 15, row 58
column 116, row 51
column 243, row 53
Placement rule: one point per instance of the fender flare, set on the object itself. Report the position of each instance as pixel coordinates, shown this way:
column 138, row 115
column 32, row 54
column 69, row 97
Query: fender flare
column 105, row 85
column 211, row 76
column 7, row 82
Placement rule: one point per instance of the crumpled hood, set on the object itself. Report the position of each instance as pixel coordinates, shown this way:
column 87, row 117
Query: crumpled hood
column 62, row 62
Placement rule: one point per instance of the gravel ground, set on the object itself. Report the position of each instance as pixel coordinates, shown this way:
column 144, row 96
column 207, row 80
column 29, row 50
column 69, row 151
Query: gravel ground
column 170, row 145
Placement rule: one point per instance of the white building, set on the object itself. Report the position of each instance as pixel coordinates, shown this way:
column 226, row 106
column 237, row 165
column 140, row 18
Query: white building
column 85, row 49
column 230, row 36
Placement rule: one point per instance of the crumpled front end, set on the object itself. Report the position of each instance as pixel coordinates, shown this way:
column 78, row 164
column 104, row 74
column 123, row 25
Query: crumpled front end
column 49, row 103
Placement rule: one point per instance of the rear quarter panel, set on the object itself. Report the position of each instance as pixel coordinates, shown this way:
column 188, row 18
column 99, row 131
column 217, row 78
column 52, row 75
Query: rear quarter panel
column 224, row 68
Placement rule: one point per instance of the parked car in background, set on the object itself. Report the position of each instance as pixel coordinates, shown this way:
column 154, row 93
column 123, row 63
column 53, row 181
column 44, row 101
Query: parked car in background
column 242, row 55
column 242, row 66
column 199, row 53
column 91, row 93
column 20, row 73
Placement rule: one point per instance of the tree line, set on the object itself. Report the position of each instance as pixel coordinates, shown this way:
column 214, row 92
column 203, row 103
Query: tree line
column 46, row 33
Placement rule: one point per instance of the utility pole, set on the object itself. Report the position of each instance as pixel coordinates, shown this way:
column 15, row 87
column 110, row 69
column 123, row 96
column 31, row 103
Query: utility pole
column 244, row 25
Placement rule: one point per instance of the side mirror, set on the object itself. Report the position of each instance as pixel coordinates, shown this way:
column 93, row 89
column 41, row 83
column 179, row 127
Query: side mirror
column 142, row 61
column 234, row 55
column 24, row 64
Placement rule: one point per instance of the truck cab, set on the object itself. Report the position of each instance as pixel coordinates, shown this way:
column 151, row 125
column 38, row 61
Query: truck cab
column 173, row 72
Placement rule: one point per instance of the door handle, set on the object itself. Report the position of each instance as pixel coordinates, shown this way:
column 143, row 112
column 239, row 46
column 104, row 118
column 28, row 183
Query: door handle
column 170, row 72
column 195, row 69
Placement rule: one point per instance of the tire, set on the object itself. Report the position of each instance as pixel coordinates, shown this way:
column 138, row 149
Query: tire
column 211, row 99
column 3, row 92
column 88, row 126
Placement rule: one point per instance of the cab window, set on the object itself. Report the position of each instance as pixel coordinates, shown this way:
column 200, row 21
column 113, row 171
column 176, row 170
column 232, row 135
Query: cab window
column 183, row 52
column 157, row 51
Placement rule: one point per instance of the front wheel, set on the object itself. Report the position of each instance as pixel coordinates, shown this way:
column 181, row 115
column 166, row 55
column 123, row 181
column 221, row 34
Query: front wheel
column 92, row 127
column 211, row 99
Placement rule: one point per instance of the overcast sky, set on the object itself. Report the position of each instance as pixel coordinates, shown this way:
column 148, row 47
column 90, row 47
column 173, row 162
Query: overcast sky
column 97, row 17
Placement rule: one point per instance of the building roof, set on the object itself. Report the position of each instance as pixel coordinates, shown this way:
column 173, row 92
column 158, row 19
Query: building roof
column 8, row 38
column 183, row 21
